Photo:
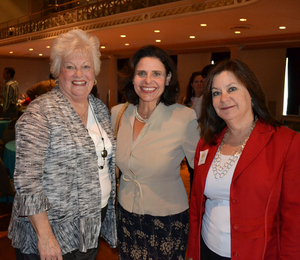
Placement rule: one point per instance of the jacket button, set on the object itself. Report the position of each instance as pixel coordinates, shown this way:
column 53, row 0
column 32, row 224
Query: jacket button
column 234, row 201
column 235, row 227
column 142, row 132
column 235, row 254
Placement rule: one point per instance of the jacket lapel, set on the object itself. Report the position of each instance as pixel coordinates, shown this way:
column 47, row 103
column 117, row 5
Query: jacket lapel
column 258, row 139
column 210, row 156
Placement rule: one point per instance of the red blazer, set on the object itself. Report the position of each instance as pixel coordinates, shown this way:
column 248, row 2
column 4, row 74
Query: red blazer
column 264, row 196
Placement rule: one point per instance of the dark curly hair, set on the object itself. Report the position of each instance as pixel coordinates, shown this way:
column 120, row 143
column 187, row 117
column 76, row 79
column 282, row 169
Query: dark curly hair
column 210, row 123
column 126, row 75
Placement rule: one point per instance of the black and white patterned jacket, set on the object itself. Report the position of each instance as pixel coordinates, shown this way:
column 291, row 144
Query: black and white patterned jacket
column 56, row 170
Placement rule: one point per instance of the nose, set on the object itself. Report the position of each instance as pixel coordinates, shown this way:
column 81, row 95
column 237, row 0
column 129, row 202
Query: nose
column 78, row 72
column 224, row 97
column 148, row 78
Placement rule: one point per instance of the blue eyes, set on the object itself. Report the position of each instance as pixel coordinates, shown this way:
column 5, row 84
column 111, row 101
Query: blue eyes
column 217, row 93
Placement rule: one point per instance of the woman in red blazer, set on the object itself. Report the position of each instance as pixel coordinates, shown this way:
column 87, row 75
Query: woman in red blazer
column 245, row 201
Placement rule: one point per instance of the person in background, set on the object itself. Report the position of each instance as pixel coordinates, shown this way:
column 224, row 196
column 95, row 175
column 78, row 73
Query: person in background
column 155, row 135
column 194, row 98
column 10, row 93
column 243, row 202
column 65, row 161
column 194, row 91
column 41, row 88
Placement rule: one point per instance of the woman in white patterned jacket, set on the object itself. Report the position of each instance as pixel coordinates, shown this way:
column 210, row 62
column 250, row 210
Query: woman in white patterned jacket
column 65, row 160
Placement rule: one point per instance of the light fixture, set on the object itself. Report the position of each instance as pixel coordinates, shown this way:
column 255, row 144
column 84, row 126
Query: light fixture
column 192, row 37
column 243, row 19
column 122, row 35
column 40, row 54
column 11, row 52
column 126, row 44
column 102, row 47
column 158, row 40
column 203, row 24
column 48, row 47
column 237, row 32
column 30, row 49
column 282, row 27
column 157, row 31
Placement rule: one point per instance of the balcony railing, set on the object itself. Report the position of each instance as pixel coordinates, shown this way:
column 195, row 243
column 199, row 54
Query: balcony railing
column 72, row 13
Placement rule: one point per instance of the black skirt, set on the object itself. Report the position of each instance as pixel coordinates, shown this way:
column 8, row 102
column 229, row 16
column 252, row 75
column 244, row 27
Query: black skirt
column 150, row 238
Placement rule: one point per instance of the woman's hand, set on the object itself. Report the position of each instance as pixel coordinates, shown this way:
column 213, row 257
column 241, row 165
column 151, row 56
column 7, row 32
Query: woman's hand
column 190, row 258
column 47, row 243
column 49, row 247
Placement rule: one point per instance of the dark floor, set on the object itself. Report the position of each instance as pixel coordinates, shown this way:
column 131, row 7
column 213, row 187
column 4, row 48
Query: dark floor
column 105, row 252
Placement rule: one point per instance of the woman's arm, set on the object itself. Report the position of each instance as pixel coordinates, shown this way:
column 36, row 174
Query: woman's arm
column 191, row 137
column 290, row 203
column 47, row 244
column 194, row 213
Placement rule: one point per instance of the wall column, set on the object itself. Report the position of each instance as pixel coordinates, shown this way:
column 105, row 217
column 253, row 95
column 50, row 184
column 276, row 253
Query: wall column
column 113, row 84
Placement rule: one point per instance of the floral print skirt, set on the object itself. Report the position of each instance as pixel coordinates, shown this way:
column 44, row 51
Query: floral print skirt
column 152, row 238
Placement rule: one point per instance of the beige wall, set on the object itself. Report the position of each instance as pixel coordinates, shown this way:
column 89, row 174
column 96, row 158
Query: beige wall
column 269, row 66
column 13, row 9
column 28, row 71
column 186, row 65
column 103, row 81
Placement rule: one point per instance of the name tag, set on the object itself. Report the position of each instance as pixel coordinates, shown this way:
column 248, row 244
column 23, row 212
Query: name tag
column 202, row 157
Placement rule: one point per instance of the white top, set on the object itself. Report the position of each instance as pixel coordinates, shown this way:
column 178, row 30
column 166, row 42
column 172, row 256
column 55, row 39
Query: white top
column 104, row 179
column 216, row 220
column 197, row 105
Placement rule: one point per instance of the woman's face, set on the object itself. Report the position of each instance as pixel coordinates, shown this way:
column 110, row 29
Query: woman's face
column 198, row 85
column 150, row 79
column 231, row 99
column 76, row 77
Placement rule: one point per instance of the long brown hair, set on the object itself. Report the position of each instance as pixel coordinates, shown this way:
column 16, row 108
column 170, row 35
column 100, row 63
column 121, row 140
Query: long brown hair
column 210, row 123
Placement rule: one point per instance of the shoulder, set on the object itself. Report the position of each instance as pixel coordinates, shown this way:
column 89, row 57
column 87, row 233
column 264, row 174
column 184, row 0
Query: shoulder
column 182, row 112
column 115, row 112
column 116, row 109
column 283, row 132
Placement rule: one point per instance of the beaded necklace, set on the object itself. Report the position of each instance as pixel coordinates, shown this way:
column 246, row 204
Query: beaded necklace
column 220, row 171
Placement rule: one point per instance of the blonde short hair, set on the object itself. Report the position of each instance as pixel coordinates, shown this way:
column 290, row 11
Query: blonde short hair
column 75, row 43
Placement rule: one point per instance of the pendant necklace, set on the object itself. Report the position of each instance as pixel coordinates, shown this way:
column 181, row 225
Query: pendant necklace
column 220, row 171
column 83, row 115
column 104, row 151
column 139, row 117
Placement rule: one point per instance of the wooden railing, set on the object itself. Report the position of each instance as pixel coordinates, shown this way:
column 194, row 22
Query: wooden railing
column 72, row 12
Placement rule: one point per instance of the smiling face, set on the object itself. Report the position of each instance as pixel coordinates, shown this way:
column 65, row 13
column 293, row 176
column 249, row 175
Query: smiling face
column 198, row 85
column 231, row 99
column 150, row 79
column 76, row 77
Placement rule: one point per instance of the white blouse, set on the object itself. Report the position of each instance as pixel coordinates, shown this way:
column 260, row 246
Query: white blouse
column 216, row 220
column 104, row 179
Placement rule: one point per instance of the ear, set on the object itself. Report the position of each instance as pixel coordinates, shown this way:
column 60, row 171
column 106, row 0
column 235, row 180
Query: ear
column 168, row 78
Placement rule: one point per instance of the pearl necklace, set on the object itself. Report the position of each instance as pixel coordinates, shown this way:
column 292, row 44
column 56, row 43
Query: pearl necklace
column 221, row 171
column 139, row 117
